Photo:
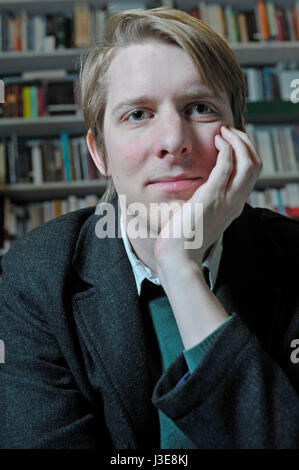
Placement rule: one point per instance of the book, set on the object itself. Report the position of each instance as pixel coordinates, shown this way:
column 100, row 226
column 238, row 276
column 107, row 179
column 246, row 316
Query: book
column 231, row 24
column 24, row 163
column 36, row 161
column 242, row 25
column 277, row 151
column 26, row 102
column 13, row 157
column 290, row 149
column 2, row 162
column 216, row 19
column 265, row 149
column 262, row 13
column 270, row 11
column 65, row 154
column 82, row 25
column 100, row 25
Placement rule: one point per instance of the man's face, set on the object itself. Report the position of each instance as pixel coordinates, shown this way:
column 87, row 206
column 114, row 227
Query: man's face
column 160, row 122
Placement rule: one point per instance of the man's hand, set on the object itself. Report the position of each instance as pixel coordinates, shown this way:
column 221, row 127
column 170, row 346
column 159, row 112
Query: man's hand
column 223, row 196
column 196, row 308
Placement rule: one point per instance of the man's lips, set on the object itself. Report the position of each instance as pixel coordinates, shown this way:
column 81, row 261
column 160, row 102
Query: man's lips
column 172, row 178
column 174, row 184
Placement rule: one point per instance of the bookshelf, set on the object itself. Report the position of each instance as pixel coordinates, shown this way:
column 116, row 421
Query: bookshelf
column 250, row 54
column 28, row 192
column 15, row 62
column 49, row 125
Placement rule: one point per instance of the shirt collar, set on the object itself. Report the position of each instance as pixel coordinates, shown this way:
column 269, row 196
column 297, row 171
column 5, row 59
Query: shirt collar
column 141, row 271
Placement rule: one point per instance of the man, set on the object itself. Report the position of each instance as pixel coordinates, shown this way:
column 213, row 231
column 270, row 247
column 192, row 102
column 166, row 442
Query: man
column 127, row 342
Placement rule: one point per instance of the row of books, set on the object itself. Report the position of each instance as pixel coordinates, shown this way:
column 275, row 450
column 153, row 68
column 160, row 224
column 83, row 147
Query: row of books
column 79, row 27
column 284, row 200
column 27, row 99
column 67, row 158
column 278, row 147
column 16, row 219
column 64, row 158
column 85, row 25
column 271, row 83
column 37, row 94
column 262, row 21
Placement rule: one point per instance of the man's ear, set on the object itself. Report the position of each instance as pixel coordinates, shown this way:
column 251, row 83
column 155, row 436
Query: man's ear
column 96, row 154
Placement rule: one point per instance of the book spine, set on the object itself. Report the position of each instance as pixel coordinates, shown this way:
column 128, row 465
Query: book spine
column 270, row 9
column 278, row 18
column 24, row 30
column 263, row 19
column 26, row 102
column 65, row 154
column 290, row 23
column 37, row 163
column 33, row 102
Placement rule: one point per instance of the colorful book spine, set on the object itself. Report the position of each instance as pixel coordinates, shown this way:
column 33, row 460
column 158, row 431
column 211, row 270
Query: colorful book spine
column 26, row 102
column 33, row 102
column 263, row 20
column 65, row 154
column 270, row 9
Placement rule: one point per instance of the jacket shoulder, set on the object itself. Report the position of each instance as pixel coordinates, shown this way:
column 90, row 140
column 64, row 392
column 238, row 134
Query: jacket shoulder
column 283, row 230
column 50, row 244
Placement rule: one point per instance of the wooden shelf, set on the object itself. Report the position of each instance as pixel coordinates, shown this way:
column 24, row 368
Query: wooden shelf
column 17, row 62
column 265, row 52
column 252, row 53
column 277, row 180
column 29, row 192
column 48, row 125
column 272, row 112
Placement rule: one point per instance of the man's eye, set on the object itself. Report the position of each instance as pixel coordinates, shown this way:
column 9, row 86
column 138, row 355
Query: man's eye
column 137, row 115
column 200, row 108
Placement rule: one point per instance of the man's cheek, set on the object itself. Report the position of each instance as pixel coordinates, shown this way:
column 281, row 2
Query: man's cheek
column 132, row 158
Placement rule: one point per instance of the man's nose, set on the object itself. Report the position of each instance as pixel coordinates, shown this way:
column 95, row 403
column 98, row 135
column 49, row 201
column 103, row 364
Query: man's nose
column 173, row 138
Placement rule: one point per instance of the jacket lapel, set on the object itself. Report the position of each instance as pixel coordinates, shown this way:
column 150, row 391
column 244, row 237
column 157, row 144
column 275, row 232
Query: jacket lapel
column 109, row 317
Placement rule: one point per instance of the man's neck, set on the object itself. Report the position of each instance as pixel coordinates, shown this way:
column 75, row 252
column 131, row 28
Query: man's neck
column 143, row 248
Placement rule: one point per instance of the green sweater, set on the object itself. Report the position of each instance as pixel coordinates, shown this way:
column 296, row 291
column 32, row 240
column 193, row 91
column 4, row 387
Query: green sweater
column 170, row 344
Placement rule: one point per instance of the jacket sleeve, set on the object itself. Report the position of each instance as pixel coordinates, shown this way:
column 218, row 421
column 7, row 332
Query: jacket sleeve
column 238, row 396
column 41, row 405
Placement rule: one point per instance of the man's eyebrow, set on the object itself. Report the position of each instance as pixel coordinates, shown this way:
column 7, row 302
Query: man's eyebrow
column 142, row 99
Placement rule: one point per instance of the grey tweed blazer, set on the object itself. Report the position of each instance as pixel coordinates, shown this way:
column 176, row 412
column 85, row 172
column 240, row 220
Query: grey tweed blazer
column 76, row 371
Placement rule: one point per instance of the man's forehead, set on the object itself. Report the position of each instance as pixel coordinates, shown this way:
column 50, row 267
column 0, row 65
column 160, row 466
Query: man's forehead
column 146, row 61
column 140, row 80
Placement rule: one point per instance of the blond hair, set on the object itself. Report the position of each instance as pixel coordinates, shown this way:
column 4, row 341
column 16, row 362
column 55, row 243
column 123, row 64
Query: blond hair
column 209, row 52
